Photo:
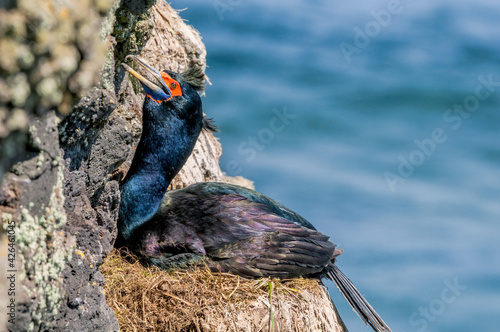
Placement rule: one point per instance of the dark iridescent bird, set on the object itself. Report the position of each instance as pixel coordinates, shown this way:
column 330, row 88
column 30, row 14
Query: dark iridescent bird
column 229, row 228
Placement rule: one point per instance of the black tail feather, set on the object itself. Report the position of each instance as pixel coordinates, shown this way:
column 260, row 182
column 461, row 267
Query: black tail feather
column 356, row 300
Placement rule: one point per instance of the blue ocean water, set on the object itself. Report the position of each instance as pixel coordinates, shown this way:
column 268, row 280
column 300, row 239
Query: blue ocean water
column 378, row 121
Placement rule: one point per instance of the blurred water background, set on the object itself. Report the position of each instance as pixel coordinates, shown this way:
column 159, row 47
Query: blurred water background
column 379, row 122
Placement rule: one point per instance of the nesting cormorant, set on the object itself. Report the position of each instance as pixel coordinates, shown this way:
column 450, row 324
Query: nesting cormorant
column 228, row 227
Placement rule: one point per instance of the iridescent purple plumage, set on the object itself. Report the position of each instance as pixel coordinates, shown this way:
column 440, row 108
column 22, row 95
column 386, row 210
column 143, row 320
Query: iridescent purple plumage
column 226, row 227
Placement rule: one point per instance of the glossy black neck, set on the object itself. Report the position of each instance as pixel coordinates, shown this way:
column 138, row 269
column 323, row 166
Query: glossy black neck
column 169, row 133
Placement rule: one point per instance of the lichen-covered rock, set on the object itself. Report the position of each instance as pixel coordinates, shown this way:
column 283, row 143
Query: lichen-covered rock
column 65, row 205
column 52, row 52
column 83, row 159
column 64, row 192
column 91, row 214
column 132, row 28
column 32, row 195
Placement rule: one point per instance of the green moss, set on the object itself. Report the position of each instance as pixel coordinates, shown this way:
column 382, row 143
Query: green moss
column 131, row 31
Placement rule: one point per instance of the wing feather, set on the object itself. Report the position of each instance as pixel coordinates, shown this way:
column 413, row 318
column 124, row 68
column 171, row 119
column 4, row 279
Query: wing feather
column 239, row 233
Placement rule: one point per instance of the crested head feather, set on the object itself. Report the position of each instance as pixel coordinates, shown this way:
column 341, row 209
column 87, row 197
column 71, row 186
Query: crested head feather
column 209, row 124
column 194, row 75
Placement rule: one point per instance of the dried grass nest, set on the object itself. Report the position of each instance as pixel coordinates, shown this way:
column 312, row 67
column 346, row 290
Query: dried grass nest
column 149, row 299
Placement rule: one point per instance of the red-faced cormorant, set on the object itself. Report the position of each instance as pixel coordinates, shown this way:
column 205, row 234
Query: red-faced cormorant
column 227, row 227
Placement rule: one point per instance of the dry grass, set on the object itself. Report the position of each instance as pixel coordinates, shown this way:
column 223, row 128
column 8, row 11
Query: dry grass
column 148, row 299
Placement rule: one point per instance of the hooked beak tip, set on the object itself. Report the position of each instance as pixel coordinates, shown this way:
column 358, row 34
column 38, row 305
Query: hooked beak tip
column 141, row 78
column 155, row 73
column 152, row 90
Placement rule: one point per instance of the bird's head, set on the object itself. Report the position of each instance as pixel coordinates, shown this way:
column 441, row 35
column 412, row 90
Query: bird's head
column 167, row 85
column 175, row 92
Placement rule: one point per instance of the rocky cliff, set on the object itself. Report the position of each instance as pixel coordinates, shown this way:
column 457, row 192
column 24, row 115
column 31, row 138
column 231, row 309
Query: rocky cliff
column 69, row 121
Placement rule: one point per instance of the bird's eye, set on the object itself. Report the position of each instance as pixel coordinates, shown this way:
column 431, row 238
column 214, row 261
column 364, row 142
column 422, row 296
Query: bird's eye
column 173, row 85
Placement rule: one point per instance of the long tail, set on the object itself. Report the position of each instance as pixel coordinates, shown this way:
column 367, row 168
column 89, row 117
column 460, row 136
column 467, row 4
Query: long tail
column 356, row 300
